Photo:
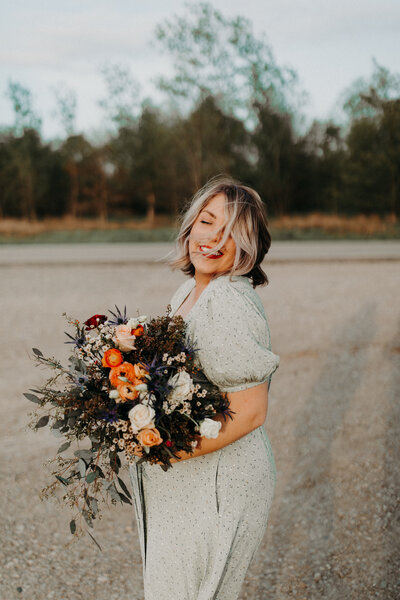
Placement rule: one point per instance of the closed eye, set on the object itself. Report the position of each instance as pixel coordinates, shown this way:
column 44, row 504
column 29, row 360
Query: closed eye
column 206, row 222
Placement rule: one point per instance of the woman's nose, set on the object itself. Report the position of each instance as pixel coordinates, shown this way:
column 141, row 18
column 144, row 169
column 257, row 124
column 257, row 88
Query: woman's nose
column 217, row 236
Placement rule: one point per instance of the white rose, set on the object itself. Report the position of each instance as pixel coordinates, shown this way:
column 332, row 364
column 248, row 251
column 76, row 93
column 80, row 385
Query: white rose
column 141, row 416
column 123, row 338
column 182, row 385
column 209, row 428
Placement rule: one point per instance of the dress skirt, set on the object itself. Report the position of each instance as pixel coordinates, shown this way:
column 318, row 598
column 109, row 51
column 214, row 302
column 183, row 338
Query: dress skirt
column 201, row 522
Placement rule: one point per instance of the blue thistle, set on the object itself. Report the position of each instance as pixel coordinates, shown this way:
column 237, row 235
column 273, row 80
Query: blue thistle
column 110, row 415
column 79, row 340
column 120, row 319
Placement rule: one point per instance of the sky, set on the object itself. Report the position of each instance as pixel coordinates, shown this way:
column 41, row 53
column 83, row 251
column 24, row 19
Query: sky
column 47, row 45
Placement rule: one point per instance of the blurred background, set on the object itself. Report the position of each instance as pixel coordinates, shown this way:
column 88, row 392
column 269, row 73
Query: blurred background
column 111, row 116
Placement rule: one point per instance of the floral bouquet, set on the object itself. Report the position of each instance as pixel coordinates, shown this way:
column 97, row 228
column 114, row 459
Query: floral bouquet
column 131, row 387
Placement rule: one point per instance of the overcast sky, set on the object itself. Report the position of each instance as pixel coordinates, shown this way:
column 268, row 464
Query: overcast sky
column 45, row 44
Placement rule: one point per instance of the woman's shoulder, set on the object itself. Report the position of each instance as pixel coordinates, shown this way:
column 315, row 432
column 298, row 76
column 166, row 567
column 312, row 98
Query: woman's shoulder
column 237, row 291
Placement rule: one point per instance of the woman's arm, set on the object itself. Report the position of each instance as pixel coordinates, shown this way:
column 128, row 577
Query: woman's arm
column 250, row 407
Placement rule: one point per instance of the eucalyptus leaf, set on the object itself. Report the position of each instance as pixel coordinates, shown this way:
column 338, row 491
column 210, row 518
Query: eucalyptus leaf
column 94, row 505
column 42, row 421
column 57, row 433
column 114, row 464
column 124, row 498
column 32, row 398
column 63, row 447
column 72, row 526
column 87, row 455
column 92, row 476
column 112, row 490
column 124, row 488
column 62, row 479
column 57, row 424
column 82, row 467
column 37, row 351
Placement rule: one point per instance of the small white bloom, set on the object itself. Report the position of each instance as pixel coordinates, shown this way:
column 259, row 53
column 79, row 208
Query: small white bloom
column 114, row 395
column 209, row 428
column 142, row 318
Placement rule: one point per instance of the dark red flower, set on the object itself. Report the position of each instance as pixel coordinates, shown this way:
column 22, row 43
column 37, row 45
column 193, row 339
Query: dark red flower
column 95, row 321
column 168, row 443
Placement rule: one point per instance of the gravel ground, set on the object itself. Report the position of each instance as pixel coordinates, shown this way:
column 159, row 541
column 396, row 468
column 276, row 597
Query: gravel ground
column 332, row 420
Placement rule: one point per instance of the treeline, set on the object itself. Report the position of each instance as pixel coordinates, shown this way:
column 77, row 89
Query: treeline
column 229, row 108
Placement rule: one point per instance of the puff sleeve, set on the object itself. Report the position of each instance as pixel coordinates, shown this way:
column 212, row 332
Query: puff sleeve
column 233, row 340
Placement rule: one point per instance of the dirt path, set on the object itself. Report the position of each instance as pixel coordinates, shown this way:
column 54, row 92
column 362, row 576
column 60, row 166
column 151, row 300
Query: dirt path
column 333, row 421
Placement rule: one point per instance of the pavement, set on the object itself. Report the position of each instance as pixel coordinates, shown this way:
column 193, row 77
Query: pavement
column 155, row 253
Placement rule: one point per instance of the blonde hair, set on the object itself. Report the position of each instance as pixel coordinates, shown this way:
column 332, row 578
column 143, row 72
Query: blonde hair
column 247, row 224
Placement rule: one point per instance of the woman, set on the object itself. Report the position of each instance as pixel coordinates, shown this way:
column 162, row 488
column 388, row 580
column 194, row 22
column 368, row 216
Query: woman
column 201, row 522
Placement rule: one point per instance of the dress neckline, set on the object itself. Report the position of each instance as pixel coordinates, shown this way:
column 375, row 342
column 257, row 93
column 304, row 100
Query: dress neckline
column 192, row 285
column 202, row 295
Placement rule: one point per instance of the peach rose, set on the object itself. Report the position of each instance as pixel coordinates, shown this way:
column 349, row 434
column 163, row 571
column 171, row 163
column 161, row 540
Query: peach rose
column 124, row 338
column 112, row 358
column 149, row 437
column 127, row 391
column 125, row 370
column 140, row 371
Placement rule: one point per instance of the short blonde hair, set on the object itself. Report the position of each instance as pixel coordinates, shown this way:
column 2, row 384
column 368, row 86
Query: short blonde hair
column 247, row 223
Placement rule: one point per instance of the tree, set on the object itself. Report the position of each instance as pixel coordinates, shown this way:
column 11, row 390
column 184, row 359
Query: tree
column 374, row 139
column 220, row 57
column 24, row 113
column 122, row 102
column 66, row 104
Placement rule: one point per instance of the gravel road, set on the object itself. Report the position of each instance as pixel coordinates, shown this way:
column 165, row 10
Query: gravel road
column 333, row 421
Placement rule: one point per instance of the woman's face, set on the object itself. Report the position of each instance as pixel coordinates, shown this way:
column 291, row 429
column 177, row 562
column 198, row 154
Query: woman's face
column 204, row 234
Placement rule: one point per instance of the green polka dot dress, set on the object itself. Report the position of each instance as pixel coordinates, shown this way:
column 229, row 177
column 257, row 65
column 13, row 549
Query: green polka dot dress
column 201, row 522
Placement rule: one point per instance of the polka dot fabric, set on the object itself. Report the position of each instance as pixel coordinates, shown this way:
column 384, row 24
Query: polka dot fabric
column 201, row 522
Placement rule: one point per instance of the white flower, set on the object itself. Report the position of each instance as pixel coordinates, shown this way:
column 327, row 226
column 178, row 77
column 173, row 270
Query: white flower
column 133, row 323
column 142, row 318
column 123, row 338
column 141, row 416
column 182, row 385
column 210, row 428
column 114, row 394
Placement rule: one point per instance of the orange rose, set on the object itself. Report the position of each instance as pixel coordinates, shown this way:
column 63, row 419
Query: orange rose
column 112, row 358
column 127, row 391
column 140, row 371
column 138, row 331
column 149, row 437
column 125, row 370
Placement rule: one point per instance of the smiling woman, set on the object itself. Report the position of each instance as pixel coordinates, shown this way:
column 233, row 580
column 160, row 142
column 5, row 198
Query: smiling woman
column 201, row 522
column 228, row 220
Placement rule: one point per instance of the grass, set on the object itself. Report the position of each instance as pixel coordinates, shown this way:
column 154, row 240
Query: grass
column 313, row 226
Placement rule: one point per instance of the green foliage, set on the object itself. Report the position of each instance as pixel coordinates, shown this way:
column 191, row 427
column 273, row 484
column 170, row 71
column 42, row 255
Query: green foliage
column 221, row 57
column 230, row 109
